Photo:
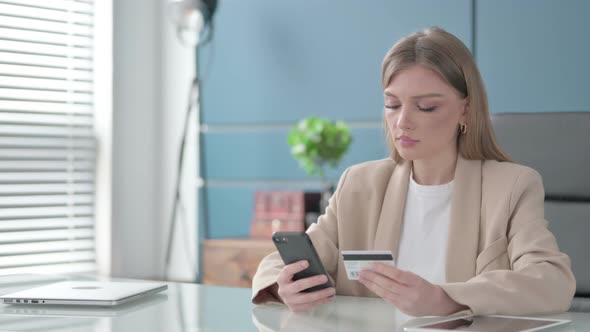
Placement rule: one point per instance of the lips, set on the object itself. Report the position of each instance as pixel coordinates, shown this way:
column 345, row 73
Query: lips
column 407, row 139
column 406, row 142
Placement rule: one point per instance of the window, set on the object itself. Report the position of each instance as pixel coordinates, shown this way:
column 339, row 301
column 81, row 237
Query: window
column 47, row 143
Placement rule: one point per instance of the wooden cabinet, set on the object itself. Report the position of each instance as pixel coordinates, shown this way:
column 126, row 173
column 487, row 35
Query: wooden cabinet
column 233, row 262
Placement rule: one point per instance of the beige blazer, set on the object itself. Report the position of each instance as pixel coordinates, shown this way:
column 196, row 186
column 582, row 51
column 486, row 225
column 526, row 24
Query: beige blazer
column 501, row 258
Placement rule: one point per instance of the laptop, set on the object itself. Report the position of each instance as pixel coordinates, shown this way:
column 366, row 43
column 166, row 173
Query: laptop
column 83, row 311
column 94, row 293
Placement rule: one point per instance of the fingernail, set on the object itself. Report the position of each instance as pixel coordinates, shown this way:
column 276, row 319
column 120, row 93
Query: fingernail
column 304, row 264
column 323, row 278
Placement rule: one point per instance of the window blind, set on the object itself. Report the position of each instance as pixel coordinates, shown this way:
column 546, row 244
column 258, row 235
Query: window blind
column 47, row 143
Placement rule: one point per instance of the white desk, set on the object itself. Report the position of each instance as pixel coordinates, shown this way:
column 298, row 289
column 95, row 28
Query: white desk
column 190, row 307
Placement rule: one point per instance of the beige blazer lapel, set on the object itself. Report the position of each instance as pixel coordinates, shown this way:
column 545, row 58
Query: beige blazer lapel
column 465, row 218
column 392, row 210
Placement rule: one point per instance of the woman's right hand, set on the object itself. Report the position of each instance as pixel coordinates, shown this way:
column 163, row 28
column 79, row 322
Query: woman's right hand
column 290, row 292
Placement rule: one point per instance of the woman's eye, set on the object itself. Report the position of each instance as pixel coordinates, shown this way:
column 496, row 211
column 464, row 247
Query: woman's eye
column 393, row 107
column 427, row 109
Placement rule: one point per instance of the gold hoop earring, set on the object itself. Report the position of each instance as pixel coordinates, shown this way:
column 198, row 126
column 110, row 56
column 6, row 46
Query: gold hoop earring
column 463, row 128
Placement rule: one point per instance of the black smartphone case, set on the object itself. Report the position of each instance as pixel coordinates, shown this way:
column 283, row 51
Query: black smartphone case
column 297, row 246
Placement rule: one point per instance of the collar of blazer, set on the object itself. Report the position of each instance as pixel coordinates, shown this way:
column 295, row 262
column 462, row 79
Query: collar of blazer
column 465, row 217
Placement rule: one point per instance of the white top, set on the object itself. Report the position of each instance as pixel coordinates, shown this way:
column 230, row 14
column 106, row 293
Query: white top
column 425, row 231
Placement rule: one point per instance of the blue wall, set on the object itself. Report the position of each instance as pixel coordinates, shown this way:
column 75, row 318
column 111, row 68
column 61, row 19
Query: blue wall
column 272, row 63
column 533, row 54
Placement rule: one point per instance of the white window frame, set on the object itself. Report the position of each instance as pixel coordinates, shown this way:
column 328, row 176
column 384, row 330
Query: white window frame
column 103, row 101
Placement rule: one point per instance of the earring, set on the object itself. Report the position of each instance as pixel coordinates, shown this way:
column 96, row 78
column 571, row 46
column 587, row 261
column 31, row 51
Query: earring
column 463, row 128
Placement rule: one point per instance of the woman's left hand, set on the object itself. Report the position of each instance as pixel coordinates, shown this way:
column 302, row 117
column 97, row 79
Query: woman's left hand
column 408, row 292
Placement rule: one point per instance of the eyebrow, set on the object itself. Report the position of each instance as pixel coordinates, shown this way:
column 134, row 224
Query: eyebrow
column 426, row 95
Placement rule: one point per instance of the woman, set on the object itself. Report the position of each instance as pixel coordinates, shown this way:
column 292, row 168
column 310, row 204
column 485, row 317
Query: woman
column 465, row 225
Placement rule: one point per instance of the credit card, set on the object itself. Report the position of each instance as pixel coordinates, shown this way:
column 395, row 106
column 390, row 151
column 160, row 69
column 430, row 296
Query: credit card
column 357, row 260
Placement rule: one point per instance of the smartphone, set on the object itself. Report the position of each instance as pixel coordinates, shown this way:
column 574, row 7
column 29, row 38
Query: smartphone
column 297, row 246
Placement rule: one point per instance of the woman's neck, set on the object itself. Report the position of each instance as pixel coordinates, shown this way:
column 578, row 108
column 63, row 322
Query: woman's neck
column 435, row 171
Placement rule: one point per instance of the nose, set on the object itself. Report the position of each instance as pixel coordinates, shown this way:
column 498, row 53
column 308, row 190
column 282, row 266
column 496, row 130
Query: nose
column 404, row 120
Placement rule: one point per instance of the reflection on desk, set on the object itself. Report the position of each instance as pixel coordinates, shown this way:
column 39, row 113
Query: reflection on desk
column 190, row 307
column 364, row 314
column 345, row 313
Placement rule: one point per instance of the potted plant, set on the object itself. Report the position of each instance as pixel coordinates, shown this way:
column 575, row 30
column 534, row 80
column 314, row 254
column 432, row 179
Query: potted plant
column 317, row 143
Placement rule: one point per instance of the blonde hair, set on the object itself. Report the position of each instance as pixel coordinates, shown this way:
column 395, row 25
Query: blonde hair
column 444, row 53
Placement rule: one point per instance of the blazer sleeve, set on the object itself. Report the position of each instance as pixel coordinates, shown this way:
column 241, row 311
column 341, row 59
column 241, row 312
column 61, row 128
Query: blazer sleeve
column 323, row 235
column 540, row 279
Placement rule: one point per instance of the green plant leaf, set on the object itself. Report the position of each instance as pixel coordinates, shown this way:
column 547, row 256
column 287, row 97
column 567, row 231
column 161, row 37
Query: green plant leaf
column 316, row 142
